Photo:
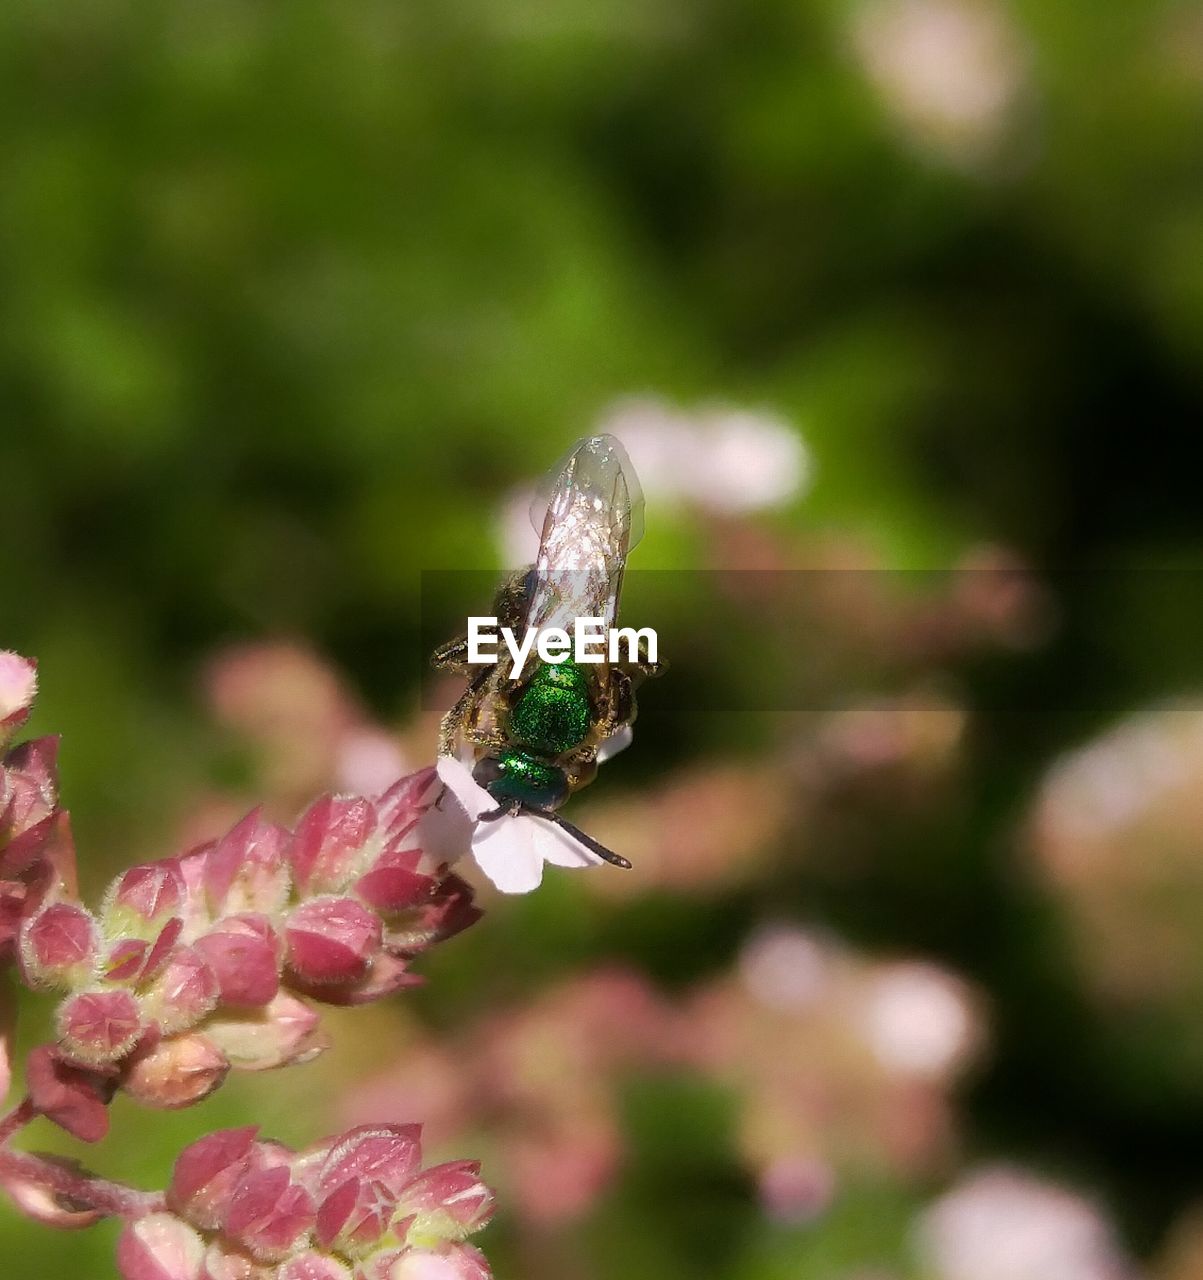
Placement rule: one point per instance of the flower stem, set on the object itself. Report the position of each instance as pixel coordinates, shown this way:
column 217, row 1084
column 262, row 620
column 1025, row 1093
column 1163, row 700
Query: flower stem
column 83, row 1189
column 16, row 1119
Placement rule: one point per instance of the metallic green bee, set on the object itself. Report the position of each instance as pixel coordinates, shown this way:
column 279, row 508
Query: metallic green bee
column 536, row 740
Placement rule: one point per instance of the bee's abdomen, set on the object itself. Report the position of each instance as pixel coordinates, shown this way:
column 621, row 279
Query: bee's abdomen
column 517, row 775
column 552, row 714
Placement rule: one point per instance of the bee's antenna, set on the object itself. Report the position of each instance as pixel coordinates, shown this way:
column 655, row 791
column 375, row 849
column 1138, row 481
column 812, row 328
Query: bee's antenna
column 614, row 859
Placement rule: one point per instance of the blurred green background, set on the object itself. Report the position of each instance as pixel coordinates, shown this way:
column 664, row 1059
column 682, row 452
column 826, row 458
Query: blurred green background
column 293, row 297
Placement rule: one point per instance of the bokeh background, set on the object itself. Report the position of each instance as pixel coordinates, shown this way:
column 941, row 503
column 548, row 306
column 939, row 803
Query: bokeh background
column 900, row 300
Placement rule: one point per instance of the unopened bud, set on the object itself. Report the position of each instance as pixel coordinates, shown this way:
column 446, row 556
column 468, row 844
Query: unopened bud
column 332, row 940
column 99, row 1027
column 59, row 946
column 176, row 1072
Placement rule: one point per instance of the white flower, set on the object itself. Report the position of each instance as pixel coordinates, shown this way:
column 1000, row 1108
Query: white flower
column 511, row 851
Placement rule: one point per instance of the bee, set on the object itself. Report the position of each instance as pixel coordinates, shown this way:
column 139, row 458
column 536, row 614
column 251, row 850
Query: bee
column 536, row 740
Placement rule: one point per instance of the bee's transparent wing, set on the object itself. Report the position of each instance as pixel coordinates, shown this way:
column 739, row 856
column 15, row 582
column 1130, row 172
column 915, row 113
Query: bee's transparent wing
column 588, row 516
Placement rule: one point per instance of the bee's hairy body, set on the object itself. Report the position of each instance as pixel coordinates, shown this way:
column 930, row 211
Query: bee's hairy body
column 534, row 741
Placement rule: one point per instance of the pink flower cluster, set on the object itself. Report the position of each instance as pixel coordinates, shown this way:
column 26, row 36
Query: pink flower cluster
column 864, row 1056
column 211, row 960
column 354, row 1207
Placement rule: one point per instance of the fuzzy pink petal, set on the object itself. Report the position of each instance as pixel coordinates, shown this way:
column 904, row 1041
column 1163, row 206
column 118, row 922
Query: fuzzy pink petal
column 245, row 954
column 332, row 940
column 206, row 1174
column 269, row 1214
column 72, row 1098
column 18, row 687
column 325, row 851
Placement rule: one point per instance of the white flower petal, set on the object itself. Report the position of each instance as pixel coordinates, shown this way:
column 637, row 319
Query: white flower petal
column 506, row 852
column 560, row 848
column 615, row 743
column 445, row 830
column 472, row 797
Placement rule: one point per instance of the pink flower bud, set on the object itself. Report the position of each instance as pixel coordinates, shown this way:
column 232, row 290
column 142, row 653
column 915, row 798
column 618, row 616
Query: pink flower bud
column 282, row 1033
column 450, row 912
column 229, row 1264
column 99, row 1027
column 39, row 1203
column 331, row 940
column 29, row 807
column 59, row 946
column 30, row 782
column 311, row 1265
column 72, row 1098
column 159, row 1247
column 394, row 882
column 451, row 1262
column 184, row 992
column 404, row 803
column 384, row 1154
column 141, row 901
column 176, row 1072
column 206, row 1174
column 387, row 975
column 327, row 848
column 447, row 1201
column 18, row 685
column 8, row 1023
column 12, row 910
column 244, row 952
column 353, row 1217
column 246, row 870
column 270, row 1215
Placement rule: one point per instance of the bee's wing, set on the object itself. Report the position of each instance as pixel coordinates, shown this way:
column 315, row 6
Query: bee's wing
column 589, row 517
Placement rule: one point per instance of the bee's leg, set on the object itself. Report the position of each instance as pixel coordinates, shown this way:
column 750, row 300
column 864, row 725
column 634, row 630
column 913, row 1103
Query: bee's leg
column 580, row 771
column 456, row 721
column 508, row 810
column 452, row 656
column 643, row 666
column 494, row 739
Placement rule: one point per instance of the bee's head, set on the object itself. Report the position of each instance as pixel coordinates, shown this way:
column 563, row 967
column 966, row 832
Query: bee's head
column 518, row 775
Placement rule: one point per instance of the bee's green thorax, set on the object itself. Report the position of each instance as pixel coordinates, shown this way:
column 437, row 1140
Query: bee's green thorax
column 521, row 776
column 552, row 713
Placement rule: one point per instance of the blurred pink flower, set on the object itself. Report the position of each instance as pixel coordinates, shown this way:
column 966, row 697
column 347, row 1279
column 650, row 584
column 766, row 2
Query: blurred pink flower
column 864, row 1055
column 1006, row 1224
column 1115, row 834
column 950, row 72
column 306, row 729
column 545, row 1077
